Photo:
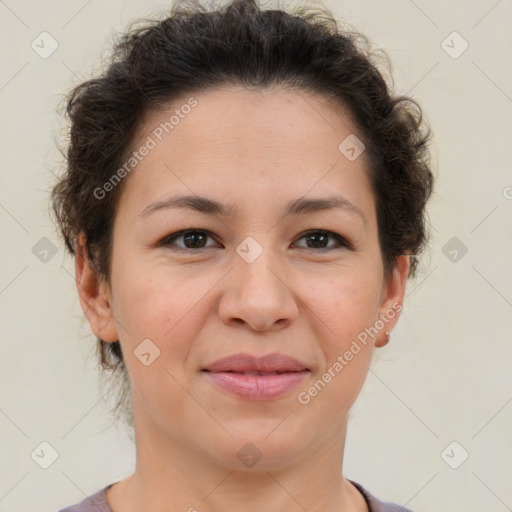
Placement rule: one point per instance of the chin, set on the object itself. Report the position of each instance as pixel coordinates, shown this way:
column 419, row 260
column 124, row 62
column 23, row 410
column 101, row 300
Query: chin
column 257, row 449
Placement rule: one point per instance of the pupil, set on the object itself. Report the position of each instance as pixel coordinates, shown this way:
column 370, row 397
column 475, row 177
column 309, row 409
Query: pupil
column 190, row 236
column 321, row 236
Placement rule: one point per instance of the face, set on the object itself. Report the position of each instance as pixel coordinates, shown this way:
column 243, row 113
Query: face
column 281, row 256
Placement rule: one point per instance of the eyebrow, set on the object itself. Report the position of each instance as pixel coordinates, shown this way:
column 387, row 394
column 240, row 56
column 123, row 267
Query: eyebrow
column 211, row 207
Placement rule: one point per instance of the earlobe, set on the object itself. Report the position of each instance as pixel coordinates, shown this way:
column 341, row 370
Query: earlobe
column 94, row 294
column 392, row 299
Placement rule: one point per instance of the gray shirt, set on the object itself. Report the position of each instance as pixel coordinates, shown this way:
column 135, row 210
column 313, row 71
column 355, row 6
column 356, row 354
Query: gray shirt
column 98, row 502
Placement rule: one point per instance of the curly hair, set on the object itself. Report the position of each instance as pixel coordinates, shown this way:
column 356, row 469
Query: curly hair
column 195, row 48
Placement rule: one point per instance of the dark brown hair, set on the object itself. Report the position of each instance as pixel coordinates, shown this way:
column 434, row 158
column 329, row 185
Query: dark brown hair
column 196, row 48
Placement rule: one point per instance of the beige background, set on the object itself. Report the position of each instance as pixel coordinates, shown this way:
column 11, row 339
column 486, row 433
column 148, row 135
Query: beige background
column 444, row 377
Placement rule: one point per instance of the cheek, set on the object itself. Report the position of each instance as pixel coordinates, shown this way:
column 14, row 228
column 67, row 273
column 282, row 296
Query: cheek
column 347, row 308
column 163, row 306
column 346, row 304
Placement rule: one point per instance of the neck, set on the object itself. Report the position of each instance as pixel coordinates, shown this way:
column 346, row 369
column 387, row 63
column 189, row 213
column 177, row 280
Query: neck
column 171, row 476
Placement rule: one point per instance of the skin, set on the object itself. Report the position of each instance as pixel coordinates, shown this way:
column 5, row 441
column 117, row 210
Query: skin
column 256, row 149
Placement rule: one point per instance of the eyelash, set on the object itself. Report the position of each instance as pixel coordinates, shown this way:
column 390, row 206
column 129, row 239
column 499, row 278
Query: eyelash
column 343, row 243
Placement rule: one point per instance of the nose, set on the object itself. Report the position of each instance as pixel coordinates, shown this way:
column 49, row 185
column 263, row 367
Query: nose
column 258, row 295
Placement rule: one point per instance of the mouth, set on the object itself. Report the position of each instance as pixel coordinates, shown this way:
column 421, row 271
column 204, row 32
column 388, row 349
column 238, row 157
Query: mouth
column 256, row 385
column 252, row 378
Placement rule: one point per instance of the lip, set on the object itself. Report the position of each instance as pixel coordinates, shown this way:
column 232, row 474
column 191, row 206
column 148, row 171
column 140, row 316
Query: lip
column 240, row 363
column 228, row 375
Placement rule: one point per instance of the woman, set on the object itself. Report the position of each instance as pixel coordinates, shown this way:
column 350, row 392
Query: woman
column 245, row 201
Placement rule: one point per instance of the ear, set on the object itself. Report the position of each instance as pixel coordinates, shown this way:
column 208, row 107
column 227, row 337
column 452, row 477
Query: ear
column 392, row 298
column 94, row 294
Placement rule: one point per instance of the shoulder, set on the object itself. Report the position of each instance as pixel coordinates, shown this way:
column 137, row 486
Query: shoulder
column 96, row 502
column 376, row 505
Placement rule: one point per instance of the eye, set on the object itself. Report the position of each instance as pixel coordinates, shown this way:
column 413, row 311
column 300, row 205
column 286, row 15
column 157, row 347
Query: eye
column 320, row 237
column 192, row 239
column 197, row 238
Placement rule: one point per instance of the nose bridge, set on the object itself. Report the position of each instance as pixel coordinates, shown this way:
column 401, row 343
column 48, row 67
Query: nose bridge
column 263, row 270
column 258, row 293
column 257, row 268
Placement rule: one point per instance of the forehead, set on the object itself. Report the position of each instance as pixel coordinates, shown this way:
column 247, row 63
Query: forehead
column 254, row 112
column 235, row 136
